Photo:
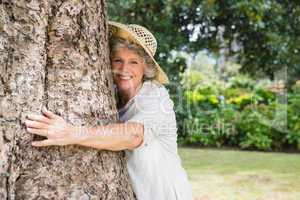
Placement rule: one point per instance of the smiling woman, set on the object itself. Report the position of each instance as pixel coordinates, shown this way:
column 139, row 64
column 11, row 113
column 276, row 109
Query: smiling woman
column 147, row 129
column 131, row 66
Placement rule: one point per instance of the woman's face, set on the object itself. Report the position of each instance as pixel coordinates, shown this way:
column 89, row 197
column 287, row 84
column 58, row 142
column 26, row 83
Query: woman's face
column 128, row 69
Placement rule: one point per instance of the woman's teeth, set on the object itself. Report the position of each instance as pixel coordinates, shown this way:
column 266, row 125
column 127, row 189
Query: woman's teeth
column 125, row 77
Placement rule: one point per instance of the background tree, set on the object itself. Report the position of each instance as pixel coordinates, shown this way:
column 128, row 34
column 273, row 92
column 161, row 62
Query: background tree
column 55, row 53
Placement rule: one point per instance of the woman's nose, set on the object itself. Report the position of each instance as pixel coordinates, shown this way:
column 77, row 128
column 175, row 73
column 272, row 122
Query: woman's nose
column 124, row 66
column 121, row 68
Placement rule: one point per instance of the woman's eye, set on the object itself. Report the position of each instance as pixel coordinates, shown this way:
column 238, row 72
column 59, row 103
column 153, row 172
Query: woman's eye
column 117, row 60
column 134, row 62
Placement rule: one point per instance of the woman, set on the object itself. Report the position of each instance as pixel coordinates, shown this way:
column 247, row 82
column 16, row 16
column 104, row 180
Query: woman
column 147, row 129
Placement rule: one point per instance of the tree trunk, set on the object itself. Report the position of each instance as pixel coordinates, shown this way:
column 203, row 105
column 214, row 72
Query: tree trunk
column 55, row 53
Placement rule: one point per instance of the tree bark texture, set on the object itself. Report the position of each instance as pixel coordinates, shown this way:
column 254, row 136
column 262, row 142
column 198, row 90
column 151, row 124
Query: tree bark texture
column 54, row 53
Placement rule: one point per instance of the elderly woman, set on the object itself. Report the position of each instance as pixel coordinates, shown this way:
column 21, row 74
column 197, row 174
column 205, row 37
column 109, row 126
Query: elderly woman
column 147, row 130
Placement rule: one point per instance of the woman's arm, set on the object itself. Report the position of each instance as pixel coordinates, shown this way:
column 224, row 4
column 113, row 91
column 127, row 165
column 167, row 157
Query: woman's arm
column 118, row 136
column 114, row 137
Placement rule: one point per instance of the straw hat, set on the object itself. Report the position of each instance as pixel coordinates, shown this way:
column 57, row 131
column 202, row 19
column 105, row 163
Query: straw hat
column 142, row 37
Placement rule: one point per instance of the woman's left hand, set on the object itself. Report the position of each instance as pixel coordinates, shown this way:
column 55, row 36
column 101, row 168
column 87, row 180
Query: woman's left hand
column 52, row 126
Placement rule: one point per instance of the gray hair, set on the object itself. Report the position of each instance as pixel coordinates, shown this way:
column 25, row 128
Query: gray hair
column 150, row 70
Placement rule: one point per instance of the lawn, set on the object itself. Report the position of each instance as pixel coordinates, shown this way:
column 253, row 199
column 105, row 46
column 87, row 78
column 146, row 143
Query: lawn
column 242, row 175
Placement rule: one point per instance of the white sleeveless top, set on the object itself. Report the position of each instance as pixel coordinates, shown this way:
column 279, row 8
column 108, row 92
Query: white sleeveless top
column 154, row 167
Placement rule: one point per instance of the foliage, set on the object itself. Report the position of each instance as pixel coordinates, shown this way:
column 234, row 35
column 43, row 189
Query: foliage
column 253, row 133
column 293, row 136
column 240, row 115
column 242, row 81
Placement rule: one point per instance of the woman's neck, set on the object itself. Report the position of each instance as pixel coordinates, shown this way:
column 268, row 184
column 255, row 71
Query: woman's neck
column 125, row 96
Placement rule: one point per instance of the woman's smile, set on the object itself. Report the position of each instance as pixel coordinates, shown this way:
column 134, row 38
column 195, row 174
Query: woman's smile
column 124, row 77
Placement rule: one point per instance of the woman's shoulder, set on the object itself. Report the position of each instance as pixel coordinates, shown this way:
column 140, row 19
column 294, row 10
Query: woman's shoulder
column 154, row 88
column 154, row 96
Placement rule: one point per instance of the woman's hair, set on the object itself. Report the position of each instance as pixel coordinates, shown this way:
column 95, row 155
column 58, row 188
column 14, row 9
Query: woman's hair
column 116, row 43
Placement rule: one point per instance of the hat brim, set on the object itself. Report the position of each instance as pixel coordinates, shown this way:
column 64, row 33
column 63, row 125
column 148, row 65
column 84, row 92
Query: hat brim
column 120, row 30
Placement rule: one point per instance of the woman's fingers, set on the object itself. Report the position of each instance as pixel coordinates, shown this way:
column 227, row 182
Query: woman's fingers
column 48, row 113
column 42, row 132
column 35, row 124
column 48, row 125
column 39, row 118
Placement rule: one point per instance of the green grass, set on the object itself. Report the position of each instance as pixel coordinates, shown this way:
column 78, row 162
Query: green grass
column 242, row 175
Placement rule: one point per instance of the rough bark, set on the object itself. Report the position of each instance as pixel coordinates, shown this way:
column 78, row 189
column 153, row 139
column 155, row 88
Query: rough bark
column 55, row 53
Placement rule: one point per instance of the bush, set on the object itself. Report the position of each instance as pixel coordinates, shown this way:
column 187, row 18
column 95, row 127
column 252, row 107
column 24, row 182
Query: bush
column 252, row 132
column 242, row 81
column 211, row 127
column 240, row 114
column 293, row 136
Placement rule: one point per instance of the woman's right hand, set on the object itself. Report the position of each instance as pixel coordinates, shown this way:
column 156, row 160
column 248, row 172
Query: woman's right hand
column 53, row 127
